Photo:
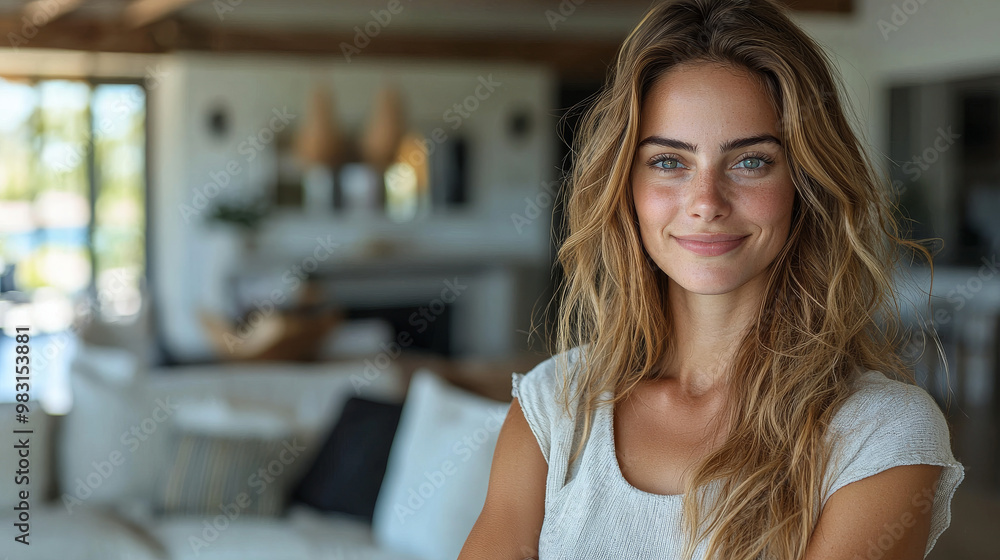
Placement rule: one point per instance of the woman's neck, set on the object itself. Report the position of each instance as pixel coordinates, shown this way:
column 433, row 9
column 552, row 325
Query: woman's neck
column 707, row 329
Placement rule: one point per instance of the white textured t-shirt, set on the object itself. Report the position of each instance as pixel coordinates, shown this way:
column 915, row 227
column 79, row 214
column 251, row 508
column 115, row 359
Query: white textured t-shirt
column 592, row 512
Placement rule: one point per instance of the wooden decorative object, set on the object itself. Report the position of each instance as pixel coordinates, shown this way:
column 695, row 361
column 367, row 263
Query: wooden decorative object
column 384, row 130
column 294, row 334
column 320, row 140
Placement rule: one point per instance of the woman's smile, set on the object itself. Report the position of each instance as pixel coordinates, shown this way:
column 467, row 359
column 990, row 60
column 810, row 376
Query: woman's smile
column 710, row 244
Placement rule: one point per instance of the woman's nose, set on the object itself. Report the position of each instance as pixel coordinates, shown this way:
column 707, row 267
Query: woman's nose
column 707, row 200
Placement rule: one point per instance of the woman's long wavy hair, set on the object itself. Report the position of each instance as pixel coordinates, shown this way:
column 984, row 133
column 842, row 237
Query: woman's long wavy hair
column 830, row 309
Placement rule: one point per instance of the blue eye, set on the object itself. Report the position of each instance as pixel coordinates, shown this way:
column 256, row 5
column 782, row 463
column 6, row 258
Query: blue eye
column 667, row 163
column 751, row 163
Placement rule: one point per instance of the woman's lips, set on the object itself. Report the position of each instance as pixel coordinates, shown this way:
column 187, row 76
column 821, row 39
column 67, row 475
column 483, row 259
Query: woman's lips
column 710, row 245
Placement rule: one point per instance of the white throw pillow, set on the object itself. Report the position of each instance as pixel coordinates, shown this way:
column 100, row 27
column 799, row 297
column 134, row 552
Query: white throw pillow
column 112, row 436
column 439, row 467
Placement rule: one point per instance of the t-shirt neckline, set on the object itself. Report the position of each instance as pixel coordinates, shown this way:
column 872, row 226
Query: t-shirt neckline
column 608, row 432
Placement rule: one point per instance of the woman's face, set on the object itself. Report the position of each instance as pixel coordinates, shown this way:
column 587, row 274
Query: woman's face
column 711, row 186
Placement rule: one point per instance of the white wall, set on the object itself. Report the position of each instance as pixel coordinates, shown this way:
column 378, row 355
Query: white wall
column 502, row 172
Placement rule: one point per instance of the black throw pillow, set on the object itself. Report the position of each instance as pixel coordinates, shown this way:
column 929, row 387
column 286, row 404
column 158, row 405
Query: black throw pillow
column 348, row 470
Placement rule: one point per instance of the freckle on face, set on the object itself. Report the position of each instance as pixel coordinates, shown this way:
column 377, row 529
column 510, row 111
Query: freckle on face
column 706, row 105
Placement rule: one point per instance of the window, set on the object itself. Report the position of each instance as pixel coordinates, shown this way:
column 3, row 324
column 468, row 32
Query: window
column 72, row 217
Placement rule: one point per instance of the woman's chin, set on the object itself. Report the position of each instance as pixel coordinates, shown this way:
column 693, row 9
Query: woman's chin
column 709, row 285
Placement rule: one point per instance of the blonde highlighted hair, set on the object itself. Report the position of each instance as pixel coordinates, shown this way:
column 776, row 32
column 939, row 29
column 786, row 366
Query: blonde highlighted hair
column 829, row 310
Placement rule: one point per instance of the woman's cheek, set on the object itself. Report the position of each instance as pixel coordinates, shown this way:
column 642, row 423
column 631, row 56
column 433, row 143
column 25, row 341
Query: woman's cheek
column 654, row 200
column 771, row 203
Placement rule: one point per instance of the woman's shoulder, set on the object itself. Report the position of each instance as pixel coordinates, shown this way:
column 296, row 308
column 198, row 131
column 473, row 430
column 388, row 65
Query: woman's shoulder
column 886, row 423
column 538, row 394
column 547, row 378
column 875, row 397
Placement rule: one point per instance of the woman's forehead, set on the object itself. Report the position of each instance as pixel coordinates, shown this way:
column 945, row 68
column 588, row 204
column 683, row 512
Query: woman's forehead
column 706, row 101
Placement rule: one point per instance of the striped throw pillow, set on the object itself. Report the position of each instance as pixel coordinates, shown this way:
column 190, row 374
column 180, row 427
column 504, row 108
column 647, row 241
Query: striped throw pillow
column 234, row 476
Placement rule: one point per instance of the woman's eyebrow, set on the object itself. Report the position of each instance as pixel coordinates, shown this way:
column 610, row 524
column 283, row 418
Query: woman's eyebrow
column 738, row 143
column 727, row 146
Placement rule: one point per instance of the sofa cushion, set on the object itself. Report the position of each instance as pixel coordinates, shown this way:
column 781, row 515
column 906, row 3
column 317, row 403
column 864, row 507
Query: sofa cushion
column 304, row 534
column 211, row 474
column 117, row 439
column 348, row 471
column 106, row 438
column 439, row 467
column 86, row 534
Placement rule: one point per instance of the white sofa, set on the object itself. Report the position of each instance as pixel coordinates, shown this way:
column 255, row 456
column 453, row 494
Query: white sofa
column 111, row 451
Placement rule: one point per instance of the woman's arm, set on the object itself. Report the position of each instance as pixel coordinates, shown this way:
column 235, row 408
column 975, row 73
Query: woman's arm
column 511, row 521
column 885, row 516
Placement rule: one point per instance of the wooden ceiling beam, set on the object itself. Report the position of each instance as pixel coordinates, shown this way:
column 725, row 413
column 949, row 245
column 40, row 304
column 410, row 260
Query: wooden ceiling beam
column 582, row 59
column 48, row 11
column 150, row 28
column 101, row 36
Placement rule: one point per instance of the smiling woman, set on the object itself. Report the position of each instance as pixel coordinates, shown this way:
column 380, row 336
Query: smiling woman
column 726, row 383
column 708, row 183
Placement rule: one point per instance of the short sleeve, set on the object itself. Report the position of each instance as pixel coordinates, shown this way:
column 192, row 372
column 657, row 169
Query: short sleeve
column 538, row 393
column 886, row 424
